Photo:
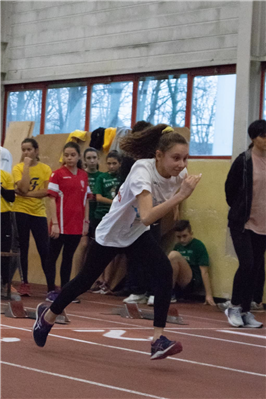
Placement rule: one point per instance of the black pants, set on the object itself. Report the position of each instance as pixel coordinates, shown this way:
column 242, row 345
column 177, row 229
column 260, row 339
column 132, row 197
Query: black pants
column 139, row 280
column 6, row 239
column 70, row 243
column 144, row 250
column 250, row 275
column 38, row 226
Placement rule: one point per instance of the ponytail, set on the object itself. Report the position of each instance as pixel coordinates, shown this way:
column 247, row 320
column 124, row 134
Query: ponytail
column 144, row 144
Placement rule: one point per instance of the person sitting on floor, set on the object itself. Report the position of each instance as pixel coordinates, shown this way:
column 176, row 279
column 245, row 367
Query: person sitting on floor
column 190, row 263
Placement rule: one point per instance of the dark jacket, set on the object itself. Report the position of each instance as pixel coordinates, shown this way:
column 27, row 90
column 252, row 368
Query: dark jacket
column 238, row 190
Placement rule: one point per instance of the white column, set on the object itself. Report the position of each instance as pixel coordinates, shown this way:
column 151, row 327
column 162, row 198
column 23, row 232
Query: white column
column 240, row 141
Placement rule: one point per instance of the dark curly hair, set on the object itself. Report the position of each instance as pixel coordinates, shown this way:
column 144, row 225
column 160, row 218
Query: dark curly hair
column 143, row 144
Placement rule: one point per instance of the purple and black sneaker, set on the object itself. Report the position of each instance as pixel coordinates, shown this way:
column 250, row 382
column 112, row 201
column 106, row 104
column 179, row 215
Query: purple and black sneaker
column 163, row 347
column 52, row 295
column 41, row 328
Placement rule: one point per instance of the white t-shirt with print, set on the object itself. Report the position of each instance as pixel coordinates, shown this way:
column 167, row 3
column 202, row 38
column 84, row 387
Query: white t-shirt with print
column 121, row 226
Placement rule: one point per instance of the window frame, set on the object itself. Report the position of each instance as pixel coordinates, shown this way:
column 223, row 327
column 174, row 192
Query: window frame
column 89, row 81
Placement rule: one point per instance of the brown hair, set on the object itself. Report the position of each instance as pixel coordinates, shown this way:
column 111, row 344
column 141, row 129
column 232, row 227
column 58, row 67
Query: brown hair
column 144, row 144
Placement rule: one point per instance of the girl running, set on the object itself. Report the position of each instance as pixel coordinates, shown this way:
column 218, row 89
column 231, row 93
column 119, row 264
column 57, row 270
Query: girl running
column 148, row 194
column 31, row 179
column 68, row 201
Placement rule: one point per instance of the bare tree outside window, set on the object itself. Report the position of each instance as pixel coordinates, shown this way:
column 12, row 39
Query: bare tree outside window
column 212, row 118
column 65, row 109
column 162, row 100
column 111, row 105
column 203, row 114
column 264, row 101
column 25, row 106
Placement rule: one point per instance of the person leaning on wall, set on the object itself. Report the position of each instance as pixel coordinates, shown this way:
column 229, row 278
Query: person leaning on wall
column 245, row 190
column 7, row 197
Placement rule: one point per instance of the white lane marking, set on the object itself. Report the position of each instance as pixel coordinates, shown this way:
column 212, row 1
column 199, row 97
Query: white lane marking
column 245, row 334
column 117, row 334
column 147, row 353
column 88, row 330
column 10, row 339
column 98, row 384
column 218, row 339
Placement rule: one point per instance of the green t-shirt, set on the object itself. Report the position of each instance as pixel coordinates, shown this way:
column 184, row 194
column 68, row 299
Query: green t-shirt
column 92, row 177
column 106, row 185
column 196, row 255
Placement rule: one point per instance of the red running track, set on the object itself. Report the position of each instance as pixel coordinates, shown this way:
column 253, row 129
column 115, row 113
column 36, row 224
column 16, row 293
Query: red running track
column 99, row 355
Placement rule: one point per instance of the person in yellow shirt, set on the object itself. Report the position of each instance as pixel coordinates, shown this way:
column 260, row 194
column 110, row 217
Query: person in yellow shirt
column 31, row 179
column 7, row 197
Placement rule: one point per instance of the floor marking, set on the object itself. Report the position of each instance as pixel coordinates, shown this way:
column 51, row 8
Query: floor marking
column 218, row 339
column 148, row 353
column 10, row 339
column 88, row 330
column 245, row 334
column 117, row 334
column 98, row 384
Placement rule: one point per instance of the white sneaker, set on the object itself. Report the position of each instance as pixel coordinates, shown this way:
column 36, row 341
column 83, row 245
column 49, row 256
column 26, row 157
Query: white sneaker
column 223, row 305
column 234, row 316
column 256, row 307
column 136, row 299
column 151, row 300
column 250, row 321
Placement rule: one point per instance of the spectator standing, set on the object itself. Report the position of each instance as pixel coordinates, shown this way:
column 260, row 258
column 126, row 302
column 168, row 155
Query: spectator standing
column 31, row 179
column 68, row 192
column 245, row 190
column 7, row 197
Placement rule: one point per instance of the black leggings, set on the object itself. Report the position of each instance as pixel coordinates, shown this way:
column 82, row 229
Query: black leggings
column 6, row 240
column 38, row 226
column 144, row 250
column 70, row 243
column 250, row 275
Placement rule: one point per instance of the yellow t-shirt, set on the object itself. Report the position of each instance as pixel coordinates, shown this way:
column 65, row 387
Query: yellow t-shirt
column 39, row 174
column 7, row 183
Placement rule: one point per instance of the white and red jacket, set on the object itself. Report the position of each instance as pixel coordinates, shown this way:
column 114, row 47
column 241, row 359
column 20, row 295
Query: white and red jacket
column 71, row 192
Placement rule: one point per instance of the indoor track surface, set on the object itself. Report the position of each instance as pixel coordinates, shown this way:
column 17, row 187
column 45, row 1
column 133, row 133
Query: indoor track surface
column 100, row 356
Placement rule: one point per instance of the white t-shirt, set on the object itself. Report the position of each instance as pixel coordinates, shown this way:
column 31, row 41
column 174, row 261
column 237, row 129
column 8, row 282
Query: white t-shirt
column 121, row 226
column 6, row 160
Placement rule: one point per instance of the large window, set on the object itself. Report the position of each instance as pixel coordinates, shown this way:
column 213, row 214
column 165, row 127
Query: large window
column 203, row 99
column 162, row 100
column 111, row 105
column 264, row 99
column 65, row 109
column 25, row 106
column 212, row 117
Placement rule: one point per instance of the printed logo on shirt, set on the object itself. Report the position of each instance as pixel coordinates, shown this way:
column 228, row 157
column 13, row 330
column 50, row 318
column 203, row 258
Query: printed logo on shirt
column 82, row 183
column 34, row 183
column 66, row 177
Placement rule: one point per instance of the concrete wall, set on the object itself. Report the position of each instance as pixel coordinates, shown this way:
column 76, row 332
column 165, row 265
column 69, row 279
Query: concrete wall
column 53, row 40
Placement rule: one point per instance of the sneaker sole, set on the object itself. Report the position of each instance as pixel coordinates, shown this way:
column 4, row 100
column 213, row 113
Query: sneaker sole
column 172, row 350
column 142, row 301
column 251, row 326
column 230, row 322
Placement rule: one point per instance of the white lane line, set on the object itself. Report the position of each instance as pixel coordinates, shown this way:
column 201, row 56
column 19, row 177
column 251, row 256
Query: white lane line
column 147, row 353
column 245, row 334
column 88, row 330
column 98, row 384
column 217, row 339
